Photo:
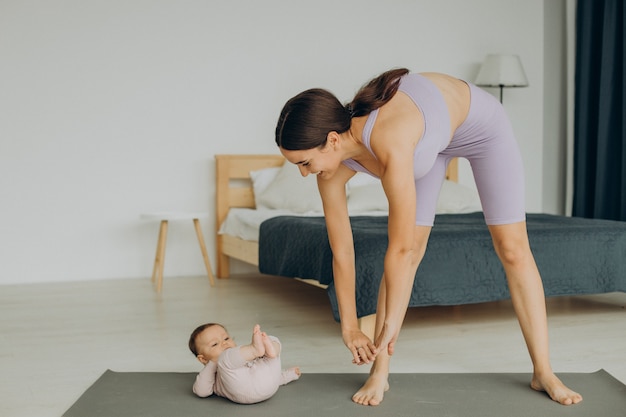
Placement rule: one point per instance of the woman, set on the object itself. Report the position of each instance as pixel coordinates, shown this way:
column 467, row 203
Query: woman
column 404, row 128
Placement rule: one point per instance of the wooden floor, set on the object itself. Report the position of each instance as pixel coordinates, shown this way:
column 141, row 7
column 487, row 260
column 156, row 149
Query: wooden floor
column 57, row 339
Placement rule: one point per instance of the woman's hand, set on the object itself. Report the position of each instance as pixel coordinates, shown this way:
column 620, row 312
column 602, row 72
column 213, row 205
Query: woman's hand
column 362, row 348
column 387, row 339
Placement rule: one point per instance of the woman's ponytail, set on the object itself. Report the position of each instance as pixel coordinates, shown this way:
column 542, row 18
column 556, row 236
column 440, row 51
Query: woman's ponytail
column 376, row 93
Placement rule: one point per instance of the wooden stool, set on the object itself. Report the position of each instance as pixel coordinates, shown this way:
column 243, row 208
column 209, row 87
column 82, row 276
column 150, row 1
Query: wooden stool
column 159, row 259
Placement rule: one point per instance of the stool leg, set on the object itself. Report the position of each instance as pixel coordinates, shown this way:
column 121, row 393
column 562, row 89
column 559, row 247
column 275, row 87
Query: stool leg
column 205, row 256
column 156, row 256
column 160, row 257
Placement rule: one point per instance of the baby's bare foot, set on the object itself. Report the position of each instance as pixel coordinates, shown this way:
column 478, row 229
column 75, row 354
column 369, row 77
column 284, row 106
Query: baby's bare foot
column 290, row 374
column 271, row 351
column 257, row 342
column 555, row 389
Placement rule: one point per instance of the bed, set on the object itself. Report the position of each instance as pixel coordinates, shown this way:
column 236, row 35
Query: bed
column 574, row 255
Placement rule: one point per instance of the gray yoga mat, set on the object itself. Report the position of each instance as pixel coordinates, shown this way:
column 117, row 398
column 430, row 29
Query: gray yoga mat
column 157, row 394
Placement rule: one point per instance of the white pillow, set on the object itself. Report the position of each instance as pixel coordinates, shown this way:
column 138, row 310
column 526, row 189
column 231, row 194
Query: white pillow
column 261, row 178
column 291, row 191
column 369, row 197
column 457, row 198
column 361, row 178
column 453, row 198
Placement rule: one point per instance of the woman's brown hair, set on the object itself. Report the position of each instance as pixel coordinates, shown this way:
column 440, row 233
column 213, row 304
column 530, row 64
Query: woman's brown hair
column 307, row 118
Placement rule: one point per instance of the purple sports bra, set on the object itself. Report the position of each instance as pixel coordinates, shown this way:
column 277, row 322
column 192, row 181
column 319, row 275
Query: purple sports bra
column 436, row 136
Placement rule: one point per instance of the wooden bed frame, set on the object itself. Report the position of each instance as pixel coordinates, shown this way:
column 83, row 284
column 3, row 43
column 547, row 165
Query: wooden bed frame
column 234, row 189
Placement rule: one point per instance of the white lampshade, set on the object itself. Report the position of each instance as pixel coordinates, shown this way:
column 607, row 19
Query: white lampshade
column 499, row 70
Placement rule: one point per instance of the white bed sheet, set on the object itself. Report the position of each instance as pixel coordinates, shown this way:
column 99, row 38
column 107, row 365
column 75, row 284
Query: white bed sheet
column 363, row 200
column 245, row 223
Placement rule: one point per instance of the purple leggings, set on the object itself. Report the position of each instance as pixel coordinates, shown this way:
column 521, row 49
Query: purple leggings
column 486, row 140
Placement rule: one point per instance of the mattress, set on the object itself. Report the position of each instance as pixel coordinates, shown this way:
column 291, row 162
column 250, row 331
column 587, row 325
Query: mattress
column 574, row 256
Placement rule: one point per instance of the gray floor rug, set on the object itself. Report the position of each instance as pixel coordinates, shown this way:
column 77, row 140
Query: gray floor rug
column 157, row 394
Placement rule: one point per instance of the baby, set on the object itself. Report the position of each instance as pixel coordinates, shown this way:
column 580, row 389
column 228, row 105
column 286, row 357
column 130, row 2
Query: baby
column 244, row 374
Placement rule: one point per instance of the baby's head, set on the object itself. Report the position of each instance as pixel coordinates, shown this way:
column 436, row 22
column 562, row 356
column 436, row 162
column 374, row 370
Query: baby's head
column 208, row 341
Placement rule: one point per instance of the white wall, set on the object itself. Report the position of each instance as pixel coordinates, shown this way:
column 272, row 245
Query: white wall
column 114, row 107
column 555, row 107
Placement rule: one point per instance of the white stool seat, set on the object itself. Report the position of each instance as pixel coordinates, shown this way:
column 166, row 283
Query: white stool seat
column 159, row 260
column 175, row 215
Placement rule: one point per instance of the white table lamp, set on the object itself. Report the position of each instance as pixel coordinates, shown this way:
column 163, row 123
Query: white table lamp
column 500, row 70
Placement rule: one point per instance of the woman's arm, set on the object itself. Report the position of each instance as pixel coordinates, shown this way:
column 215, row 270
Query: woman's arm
column 393, row 143
column 333, row 193
column 403, row 252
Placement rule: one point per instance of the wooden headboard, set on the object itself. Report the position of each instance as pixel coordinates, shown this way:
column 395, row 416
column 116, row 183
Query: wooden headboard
column 234, row 189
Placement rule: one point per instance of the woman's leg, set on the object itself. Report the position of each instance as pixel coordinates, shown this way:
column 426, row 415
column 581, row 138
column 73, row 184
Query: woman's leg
column 513, row 249
column 372, row 392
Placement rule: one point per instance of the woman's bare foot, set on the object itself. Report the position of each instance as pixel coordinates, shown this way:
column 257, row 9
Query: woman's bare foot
column 257, row 342
column 373, row 391
column 555, row 389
